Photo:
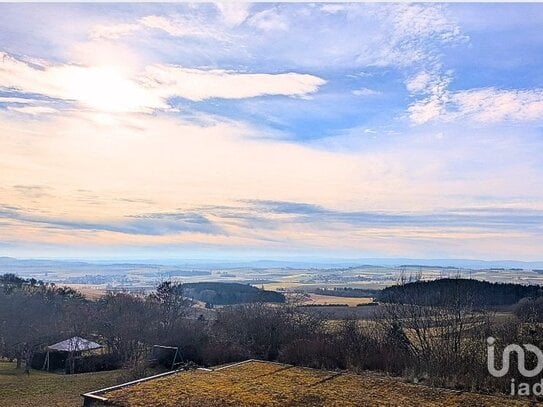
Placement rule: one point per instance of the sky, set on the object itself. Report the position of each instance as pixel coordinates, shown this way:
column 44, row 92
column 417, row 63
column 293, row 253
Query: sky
column 275, row 131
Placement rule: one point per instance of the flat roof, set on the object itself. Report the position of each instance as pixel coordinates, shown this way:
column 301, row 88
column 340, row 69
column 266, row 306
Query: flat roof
column 259, row 383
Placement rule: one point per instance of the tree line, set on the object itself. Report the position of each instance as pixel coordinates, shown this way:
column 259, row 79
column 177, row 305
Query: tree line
column 449, row 290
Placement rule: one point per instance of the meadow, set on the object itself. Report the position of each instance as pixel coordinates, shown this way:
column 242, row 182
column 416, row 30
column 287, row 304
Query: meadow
column 18, row 389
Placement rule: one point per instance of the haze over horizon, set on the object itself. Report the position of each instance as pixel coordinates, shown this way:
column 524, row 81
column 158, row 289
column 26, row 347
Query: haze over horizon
column 243, row 131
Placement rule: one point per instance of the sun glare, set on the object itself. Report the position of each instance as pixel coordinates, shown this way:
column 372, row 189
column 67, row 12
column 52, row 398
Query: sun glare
column 105, row 88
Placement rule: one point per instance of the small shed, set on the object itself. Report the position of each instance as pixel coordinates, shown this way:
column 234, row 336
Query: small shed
column 73, row 346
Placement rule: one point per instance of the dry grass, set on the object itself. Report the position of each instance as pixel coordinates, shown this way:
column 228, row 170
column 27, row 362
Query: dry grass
column 318, row 299
column 280, row 285
column 267, row 384
column 92, row 292
column 48, row 389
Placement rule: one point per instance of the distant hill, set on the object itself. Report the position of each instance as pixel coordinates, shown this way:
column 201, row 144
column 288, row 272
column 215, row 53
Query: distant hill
column 229, row 293
column 450, row 291
column 10, row 264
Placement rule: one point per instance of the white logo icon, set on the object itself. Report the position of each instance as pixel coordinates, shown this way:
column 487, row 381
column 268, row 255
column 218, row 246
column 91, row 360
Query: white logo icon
column 506, row 356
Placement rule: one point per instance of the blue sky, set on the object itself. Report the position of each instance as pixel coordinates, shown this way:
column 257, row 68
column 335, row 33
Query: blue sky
column 219, row 130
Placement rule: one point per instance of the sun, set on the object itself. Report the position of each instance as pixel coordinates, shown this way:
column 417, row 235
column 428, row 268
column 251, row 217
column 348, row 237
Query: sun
column 107, row 89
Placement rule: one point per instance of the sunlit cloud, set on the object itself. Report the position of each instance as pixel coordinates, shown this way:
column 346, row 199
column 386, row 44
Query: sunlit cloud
column 194, row 84
column 106, row 88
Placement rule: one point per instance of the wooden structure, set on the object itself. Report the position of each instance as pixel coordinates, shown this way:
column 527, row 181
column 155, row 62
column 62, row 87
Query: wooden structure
column 175, row 356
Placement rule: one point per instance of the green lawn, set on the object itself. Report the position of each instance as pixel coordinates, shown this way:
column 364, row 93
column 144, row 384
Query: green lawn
column 49, row 389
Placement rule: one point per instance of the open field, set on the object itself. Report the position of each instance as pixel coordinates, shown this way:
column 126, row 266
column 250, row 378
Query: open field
column 92, row 292
column 281, row 285
column 318, row 299
column 256, row 383
column 48, row 389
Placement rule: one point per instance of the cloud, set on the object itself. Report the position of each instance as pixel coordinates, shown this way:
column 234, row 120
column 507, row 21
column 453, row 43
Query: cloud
column 490, row 105
column 17, row 100
column 178, row 26
column 386, row 35
column 234, row 13
column 113, row 31
column 152, row 224
column 269, row 20
column 33, row 191
column 480, row 105
column 333, row 8
column 100, row 88
column 106, row 88
column 365, row 92
column 424, row 82
column 425, row 110
column 412, row 34
column 483, row 105
column 419, row 83
column 198, row 84
column 424, row 21
column 34, row 110
column 484, row 218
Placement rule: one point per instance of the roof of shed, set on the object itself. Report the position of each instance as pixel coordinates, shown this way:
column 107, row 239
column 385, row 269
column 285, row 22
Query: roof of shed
column 75, row 344
column 267, row 384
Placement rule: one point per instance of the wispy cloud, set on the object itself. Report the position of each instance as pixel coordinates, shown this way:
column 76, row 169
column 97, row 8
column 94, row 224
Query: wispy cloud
column 151, row 224
column 234, row 13
column 176, row 27
column 33, row 191
column 34, row 110
column 269, row 20
column 257, row 216
column 396, row 35
column 365, row 92
column 17, row 100
column 488, row 218
column 428, row 83
column 113, row 31
column 486, row 105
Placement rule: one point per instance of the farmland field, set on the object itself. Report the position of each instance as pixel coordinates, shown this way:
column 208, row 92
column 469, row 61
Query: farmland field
column 49, row 389
column 318, row 299
column 92, row 292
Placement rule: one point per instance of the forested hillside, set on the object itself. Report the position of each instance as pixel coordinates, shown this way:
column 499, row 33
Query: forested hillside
column 449, row 291
column 228, row 293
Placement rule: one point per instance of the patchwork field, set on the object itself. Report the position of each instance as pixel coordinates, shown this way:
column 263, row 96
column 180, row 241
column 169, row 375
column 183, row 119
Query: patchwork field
column 255, row 383
column 40, row 389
